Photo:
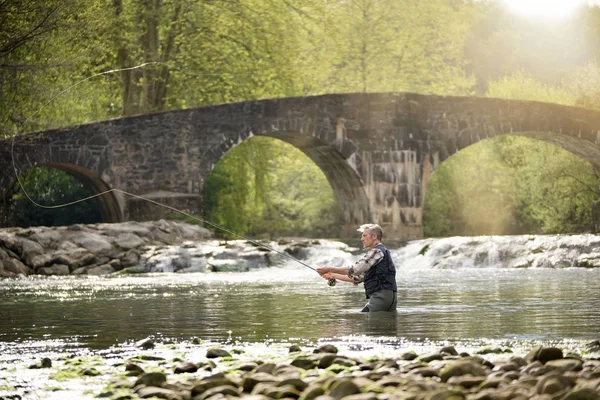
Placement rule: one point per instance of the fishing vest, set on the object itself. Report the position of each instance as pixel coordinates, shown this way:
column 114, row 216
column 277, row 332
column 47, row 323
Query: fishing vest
column 382, row 275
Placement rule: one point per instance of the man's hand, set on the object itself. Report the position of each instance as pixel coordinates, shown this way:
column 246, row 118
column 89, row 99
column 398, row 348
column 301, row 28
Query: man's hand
column 324, row 270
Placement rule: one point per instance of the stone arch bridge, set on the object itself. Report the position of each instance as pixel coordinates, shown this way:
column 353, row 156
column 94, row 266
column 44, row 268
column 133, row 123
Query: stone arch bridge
column 377, row 150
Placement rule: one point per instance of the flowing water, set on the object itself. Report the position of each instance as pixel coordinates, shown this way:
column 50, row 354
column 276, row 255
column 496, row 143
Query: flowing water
column 446, row 294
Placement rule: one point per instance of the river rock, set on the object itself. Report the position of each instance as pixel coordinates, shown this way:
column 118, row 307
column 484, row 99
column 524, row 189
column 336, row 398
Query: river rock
column 30, row 250
column 225, row 391
column 128, row 241
column 186, row 368
column 462, row 367
column 141, row 229
column 133, row 369
column 55, row 269
column 130, row 259
column 283, row 392
column 93, row 242
column 98, row 245
column 217, row 353
column 15, row 266
column 327, row 348
column 211, row 382
column 46, row 237
column 251, row 380
column 157, row 392
column 544, row 354
column 566, row 364
column 151, row 379
column 343, row 388
column 11, row 243
column 42, row 260
column 303, row 363
column 553, row 384
column 75, row 258
column 104, row 269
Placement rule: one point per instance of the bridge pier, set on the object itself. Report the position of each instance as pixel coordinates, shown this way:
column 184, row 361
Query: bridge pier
column 162, row 205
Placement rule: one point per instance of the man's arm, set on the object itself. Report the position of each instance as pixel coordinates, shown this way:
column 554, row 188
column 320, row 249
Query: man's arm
column 339, row 277
column 332, row 270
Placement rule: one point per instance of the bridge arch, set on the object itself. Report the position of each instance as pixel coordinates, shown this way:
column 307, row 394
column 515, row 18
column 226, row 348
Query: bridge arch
column 348, row 188
column 107, row 203
column 474, row 192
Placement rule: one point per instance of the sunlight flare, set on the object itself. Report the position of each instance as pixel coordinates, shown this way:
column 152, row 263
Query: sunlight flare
column 544, row 8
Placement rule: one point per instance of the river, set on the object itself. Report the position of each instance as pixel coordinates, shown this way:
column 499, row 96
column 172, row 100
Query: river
column 458, row 302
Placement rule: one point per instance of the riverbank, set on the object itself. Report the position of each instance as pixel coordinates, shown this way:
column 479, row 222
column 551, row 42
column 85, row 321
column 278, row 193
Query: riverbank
column 170, row 246
column 96, row 249
column 130, row 247
column 199, row 370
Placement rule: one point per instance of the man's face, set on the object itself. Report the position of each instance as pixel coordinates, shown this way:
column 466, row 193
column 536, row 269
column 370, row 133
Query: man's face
column 367, row 239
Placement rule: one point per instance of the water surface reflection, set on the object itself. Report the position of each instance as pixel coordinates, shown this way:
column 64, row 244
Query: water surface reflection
column 279, row 304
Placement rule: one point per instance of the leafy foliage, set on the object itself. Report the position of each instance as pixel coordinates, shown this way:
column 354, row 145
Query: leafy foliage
column 522, row 86
column 49, row 187
column 511, row 185
column 266, row 186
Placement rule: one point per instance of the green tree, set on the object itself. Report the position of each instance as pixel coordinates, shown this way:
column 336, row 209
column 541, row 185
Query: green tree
column 267, row 187
column 45, row 47
column 511, row 185
column 49, row 187
column 584, row 85
column 522, row 86
column 391, row 45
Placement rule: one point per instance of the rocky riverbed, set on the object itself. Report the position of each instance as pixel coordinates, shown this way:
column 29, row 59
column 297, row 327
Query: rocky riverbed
column 195, row 371
column 131, row 247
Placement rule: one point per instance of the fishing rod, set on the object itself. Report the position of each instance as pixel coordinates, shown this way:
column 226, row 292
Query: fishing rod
column 330, row 282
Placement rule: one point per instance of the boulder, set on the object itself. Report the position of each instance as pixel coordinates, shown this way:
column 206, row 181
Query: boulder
column 138, row 228
column 217, row 353
column 55, row 269
column 42, row 260
column 544, row 354
column 76, row 258
column 47, row 237
column 6, row 274
column 10, row 242
column 462, row 367
column 30, row 250
column 156, row 379
column 186, row 368
column 130, row 259
column 94, row 243
column 127, row 241
column 15, row 266
column 103, row 269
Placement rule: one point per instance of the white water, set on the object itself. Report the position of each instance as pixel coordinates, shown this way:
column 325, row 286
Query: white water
column 551, row 251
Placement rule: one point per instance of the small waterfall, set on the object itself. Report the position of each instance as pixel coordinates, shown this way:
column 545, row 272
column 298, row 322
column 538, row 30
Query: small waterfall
column 527, row 251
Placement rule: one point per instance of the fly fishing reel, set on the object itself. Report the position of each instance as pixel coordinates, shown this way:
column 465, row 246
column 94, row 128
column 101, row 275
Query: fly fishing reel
column 331, row 282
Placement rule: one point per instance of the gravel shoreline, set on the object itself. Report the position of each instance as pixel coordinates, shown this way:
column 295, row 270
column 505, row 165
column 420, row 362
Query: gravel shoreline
column 324, row 373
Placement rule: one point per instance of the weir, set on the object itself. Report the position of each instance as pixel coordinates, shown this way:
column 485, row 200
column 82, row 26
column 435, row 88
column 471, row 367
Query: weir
column 377, row 150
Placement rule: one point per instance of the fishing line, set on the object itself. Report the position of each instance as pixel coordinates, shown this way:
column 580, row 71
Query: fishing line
column 330, row 282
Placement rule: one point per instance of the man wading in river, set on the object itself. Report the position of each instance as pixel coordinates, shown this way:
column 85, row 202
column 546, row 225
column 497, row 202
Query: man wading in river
column 376, row 269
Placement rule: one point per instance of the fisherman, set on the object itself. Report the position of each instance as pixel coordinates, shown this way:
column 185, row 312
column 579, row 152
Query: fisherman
column 375, row 269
